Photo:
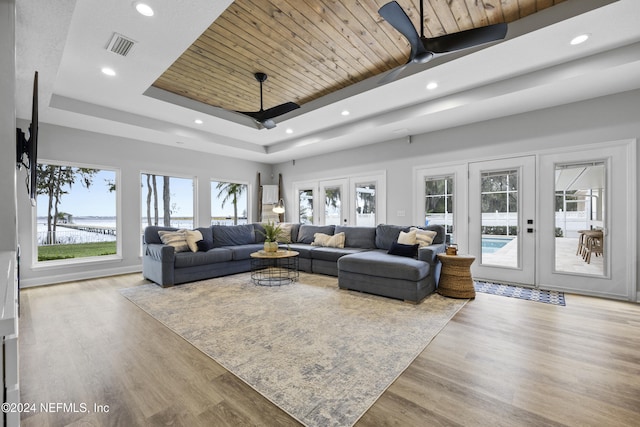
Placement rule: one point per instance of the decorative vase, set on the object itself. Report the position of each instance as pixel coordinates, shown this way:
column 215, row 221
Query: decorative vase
column 271, row 246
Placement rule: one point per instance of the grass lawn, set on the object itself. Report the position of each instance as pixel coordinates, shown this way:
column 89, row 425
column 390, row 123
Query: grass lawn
column 80, row 250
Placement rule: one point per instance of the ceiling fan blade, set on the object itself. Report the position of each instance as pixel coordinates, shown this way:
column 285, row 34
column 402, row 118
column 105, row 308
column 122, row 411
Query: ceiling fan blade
column 398, row 19
column 278, row 110
column 393, row 74
column 265, row 117
column 465, row 39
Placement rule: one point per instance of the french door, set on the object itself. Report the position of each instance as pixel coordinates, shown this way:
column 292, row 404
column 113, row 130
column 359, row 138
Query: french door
column 334, row 207
column 502, row 220
column 588, row 220
column 355, row 201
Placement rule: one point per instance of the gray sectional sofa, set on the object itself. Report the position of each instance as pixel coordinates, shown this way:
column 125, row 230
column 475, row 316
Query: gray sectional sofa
column 363, row 264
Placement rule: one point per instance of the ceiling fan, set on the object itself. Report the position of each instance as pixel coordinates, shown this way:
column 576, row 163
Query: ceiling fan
column 424, row 49
column 265, row 117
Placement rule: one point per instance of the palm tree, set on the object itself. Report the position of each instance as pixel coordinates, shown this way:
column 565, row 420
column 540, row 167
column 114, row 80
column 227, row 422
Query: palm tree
column 232, row 192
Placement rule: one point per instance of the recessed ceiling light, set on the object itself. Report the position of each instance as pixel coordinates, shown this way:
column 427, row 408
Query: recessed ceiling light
column 579, row 39
column 198, row 121
column 345, row 112
column 143, row 8
column 432, row 85
column 289, row 130
column 108, row 71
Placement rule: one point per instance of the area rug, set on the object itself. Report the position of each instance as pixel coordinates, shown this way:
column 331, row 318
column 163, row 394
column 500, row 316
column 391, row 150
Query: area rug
column 538, row 295
column 321, row 354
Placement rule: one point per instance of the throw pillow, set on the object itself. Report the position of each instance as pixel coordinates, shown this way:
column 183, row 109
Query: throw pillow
column 407, row 238
column 285, row 233
column 424, row 237
column 320, row 239
column 204, row 245
column 177, row 239
column 193, row 236
column 410, row 251
column 335, row 241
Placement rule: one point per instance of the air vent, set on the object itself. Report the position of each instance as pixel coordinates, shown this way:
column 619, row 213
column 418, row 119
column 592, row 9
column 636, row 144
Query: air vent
column 120, row 44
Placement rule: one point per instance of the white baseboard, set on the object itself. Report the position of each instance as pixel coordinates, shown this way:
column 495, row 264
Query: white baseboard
column 83, row 275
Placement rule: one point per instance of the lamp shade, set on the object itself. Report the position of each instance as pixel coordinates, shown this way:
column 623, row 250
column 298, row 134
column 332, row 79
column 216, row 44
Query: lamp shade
column 279, row 207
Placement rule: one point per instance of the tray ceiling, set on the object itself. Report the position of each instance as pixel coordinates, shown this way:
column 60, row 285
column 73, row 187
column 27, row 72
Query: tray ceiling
column 313, row 48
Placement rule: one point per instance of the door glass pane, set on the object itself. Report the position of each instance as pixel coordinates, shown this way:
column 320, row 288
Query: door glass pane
column 305, row 206
column 499, row 204
column 332, row 205
column 365, row 205
column 438, row 207
column 580, row 208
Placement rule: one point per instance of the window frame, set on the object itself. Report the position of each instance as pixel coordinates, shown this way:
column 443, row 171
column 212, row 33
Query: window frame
column 63, row 263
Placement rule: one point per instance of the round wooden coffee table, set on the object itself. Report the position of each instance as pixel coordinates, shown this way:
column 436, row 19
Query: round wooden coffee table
column 274, row 268
column 455, row 277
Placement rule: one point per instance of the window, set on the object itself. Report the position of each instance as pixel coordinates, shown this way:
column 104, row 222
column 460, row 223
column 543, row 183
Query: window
column 167, row 201
column 229, row 203
column 76, row 212
column 438, row 207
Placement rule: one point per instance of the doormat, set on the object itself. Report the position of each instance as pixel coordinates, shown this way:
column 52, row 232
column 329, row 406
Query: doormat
column 539, row 295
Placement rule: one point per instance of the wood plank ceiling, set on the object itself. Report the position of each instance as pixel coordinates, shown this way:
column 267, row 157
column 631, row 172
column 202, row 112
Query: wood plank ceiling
column 313, row 48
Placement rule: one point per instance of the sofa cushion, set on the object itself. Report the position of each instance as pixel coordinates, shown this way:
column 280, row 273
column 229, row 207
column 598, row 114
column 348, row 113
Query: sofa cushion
column 192, row 259
column 400, row 249
column 306, row 232
column 387, row 234
column 302, row 248
column 244, row 251
column 232, row 235
column 379, row 263
column 358, row 237
column 333, row 254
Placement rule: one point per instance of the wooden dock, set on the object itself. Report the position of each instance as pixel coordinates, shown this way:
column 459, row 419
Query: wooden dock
column 98, row 229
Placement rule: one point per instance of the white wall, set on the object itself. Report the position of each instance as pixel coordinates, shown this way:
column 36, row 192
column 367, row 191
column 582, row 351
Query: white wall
column 130, row 157
column 8, row 237
column 599, row 120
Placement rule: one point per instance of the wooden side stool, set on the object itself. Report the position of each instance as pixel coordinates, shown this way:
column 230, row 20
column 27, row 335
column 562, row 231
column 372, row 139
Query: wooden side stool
column 455, row 276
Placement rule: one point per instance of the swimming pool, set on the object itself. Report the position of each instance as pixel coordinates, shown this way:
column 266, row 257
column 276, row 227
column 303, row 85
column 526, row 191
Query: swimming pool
column 491, row 245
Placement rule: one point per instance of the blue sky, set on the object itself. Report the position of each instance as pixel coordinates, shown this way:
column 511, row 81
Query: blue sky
column 98, row 201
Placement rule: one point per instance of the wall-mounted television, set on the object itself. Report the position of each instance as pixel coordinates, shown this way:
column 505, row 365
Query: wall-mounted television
column 27, row 148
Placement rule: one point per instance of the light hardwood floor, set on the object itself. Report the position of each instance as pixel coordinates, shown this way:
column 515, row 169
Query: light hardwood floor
column 498, row 362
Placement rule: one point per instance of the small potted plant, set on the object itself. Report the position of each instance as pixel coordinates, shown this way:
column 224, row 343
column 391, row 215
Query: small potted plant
column 271, row 233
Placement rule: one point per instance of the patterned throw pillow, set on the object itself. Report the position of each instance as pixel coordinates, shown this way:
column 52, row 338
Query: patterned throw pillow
column 424, row 237
column 407, row 238
column 177, row 239
column 285, row 233
column 335, row 241
column 193, row 237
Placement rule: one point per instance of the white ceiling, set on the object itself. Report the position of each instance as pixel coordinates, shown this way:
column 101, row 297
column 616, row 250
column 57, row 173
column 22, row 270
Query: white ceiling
column 533, row 68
